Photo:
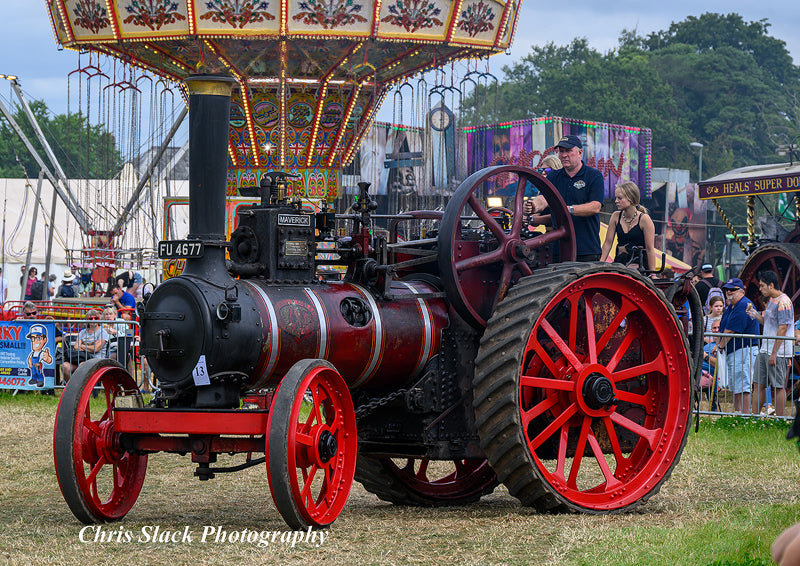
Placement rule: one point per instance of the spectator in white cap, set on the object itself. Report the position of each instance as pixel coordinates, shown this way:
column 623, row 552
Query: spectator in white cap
column 67, row 289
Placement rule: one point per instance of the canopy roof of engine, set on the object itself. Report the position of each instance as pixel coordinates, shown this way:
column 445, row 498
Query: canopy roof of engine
column 753, row 180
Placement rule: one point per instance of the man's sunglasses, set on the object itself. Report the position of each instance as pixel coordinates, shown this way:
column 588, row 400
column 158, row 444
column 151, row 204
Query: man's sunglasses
column 30, row 313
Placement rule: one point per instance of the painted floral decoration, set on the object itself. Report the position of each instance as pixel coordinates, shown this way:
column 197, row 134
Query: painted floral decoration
column 413, row 15
column 329, row 13
column 152, row 13
column 476, row 18
column 91, row 15
column 237, row 13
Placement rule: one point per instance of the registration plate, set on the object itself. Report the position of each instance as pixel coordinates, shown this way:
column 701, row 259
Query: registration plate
column 179, row 249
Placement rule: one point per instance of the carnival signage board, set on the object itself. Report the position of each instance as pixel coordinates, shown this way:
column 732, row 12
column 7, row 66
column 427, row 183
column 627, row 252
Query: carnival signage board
column 620, row 153
column 755, row 180
column 27, row 354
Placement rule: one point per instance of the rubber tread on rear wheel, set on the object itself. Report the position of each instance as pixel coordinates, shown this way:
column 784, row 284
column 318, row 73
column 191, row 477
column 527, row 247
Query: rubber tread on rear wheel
column 607, row 386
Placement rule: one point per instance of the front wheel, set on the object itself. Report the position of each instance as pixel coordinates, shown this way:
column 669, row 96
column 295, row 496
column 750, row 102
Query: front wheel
column 312, row 448
column 583, row 389
column 99, row 480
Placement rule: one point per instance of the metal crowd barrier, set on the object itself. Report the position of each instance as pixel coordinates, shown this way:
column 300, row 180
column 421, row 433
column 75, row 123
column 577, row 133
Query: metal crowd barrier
column 70, row 327
column 716, row 392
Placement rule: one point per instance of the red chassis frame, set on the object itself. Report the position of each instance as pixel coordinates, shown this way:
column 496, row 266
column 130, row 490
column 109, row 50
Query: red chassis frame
column 205, row 430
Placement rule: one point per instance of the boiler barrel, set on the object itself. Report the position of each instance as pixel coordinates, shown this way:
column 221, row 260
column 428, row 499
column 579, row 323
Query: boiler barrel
column 373, row 343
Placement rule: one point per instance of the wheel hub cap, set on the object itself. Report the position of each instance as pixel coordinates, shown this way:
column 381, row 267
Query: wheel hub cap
column 598, row 391
column 516, row 250
column 327, row 446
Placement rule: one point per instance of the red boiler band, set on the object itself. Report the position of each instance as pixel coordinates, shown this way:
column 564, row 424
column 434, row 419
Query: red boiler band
column 385, row 344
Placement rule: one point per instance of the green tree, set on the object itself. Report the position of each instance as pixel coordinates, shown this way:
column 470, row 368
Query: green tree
column 715, row 79
column 727, row 100
column 737, row 84
column 83, row 150
column 712, row 31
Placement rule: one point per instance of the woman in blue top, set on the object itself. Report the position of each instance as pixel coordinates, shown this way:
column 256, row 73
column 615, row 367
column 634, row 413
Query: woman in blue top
column 632, row 226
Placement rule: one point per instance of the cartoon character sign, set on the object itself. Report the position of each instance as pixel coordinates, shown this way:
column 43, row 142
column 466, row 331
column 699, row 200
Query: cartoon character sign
column 39, row 355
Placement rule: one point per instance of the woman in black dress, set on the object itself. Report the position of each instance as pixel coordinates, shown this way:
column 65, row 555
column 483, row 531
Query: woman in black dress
column 632, row 227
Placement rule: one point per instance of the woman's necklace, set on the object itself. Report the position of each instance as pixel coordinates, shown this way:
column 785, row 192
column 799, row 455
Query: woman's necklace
column 631, row 219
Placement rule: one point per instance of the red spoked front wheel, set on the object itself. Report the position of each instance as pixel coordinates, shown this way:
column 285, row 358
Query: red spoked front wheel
column 588, row 364
column 99, row 480
column 312, row 445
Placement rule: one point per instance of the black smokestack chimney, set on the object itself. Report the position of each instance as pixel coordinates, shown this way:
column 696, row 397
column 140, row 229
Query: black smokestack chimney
column 209, row 122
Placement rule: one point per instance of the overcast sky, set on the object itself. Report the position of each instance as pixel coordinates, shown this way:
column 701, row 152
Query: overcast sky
column 28, row 48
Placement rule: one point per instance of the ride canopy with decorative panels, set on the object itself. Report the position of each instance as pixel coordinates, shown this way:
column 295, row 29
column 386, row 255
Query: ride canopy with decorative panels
column 311, row 74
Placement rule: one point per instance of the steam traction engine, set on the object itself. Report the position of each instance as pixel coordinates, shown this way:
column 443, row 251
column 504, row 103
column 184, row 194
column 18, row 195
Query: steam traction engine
column 436, row 368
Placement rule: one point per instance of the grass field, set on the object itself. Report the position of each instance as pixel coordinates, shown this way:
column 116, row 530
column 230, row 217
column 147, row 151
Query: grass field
column 734, row 491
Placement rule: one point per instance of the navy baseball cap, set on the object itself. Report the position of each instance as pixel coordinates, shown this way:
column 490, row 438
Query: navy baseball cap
column 37, row 330
column 707, row 267
column 734, row 283
column 568, row 142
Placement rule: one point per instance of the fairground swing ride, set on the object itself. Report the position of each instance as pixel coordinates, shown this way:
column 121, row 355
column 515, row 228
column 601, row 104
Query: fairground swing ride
column 115, row 187
column 438, row 366
column 144, row 113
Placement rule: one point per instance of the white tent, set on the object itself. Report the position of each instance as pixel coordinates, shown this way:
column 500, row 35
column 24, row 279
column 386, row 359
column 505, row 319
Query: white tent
column 103, row 205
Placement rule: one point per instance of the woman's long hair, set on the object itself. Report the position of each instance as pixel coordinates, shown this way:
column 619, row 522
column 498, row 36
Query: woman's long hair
column 631, row 192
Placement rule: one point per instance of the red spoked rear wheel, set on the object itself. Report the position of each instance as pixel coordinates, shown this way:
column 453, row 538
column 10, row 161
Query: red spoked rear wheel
column 99, row 480
column 441, row 481
column 312, row 445
column 588, row 365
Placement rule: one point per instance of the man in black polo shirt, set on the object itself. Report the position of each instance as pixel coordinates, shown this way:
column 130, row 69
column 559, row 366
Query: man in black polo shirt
column 582, row 189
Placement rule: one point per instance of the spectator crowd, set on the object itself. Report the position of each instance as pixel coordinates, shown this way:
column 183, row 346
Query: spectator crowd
column 107, row 333
column 754, row 363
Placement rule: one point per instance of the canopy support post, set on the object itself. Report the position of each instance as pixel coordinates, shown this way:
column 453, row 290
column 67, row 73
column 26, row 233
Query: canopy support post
column 727, row 222
column 49, row 252
column 751, row 230
column 33, row 233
